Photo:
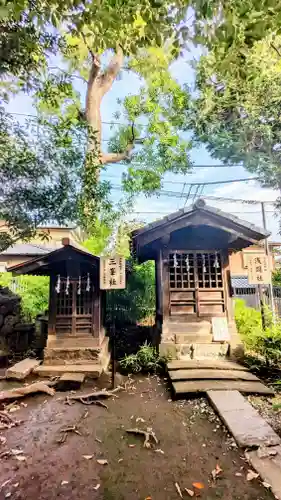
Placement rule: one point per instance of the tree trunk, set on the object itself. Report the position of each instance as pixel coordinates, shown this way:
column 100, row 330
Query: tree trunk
column 99, row 84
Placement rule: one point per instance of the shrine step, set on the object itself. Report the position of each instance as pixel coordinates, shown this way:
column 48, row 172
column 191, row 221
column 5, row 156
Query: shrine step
column 200, row 327
column 67, row 353
column 189, row 338
column 202, row 351
column 89, row 370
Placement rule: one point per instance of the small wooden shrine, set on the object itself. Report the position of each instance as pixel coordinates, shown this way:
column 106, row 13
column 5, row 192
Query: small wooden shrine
column 191, row 252
column 76, row 307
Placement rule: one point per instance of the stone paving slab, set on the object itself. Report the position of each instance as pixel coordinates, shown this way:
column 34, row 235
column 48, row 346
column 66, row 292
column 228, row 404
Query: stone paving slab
column 212, row 364
column 90, row 370
column 205, row 374
column 269, row 468
column 243, row 421
column 185, row 387
column 22, row 369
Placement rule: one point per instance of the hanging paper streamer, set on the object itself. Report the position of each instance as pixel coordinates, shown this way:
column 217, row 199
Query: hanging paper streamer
column 175, row 260
column 204, row 263
column 58, row 284
column 67, row 286
column 216, row 263
column 88, row 283
column 187, row 263
column 79, row 286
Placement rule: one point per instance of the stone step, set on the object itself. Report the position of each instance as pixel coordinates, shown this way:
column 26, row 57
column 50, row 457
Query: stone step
column 210, row 374
column 203, row 351
column 179, row 327
column 89, row 370
column 204, row 386
column 204, row 364
column 189, row 338
column 22, row 369
column 73, row 342
column 67, row 354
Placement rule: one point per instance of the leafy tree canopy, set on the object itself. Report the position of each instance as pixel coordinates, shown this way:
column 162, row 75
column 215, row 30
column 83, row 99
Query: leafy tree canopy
column 236, row 110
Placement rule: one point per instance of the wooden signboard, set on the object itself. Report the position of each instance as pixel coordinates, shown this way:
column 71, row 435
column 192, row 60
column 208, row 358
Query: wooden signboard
column 258, row 269
column 220, row 330
column 112, row 273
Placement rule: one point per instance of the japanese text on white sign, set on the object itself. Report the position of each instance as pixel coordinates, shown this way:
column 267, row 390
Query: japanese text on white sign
column 112, row 273
column 258, row 269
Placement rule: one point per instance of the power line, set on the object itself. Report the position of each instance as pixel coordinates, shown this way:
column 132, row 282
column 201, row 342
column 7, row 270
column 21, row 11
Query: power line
column 200, row 184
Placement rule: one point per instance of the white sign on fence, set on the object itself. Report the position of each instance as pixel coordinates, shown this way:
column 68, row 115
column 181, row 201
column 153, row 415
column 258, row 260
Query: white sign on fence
column 258, row 269
column 112, row 273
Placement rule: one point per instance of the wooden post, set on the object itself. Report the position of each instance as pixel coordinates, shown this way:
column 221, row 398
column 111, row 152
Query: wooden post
column 52, row 306
column 165, row 283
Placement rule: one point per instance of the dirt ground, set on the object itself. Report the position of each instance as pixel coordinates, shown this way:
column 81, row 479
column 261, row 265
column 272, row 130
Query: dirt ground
column 192, row 440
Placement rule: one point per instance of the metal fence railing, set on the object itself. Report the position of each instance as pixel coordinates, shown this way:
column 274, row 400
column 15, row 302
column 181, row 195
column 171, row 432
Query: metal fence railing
column 252, row 299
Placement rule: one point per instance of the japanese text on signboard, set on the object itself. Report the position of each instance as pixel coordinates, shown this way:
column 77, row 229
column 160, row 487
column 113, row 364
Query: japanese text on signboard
column 258, row 269
column 112, row 273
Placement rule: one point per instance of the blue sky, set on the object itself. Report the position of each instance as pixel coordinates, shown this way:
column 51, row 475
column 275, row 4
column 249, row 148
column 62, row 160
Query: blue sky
column 148, row 209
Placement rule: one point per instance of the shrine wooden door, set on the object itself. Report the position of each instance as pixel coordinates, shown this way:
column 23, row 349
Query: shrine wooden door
column 196, row 285
column 74, row 308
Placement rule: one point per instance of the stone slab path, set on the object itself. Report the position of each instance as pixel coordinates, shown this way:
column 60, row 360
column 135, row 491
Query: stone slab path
column 269, row 468
column 182, row 388
column 211, row 364
column 22, row 369
column 248, row 428
column 209, row 374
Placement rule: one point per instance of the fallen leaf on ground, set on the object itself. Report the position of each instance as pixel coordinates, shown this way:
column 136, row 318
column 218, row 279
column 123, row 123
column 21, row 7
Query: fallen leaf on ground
column 148, row 498
column 178, row 490
column 216, row 471
column 20, row 458
column 132, row 445
column 251, row 475
column 87, row 457
column 16, row 485
column 189, row 492
column 159, row 451
column 64, row 482
column 8, row 495
column 198, row 486
column 264, row 452
column 120, row 460
column 102, row 461
column 3, row 440
column 266, row 485
column 238, row 474
column 16, row 452
column 97, row 487
column 5, row 483
column 98, row 440
column 139, row 419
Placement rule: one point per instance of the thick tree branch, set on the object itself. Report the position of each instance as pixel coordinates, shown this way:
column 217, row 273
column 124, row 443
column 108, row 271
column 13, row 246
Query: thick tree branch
column 116, row 157
column 112, row 70
column 276, row 49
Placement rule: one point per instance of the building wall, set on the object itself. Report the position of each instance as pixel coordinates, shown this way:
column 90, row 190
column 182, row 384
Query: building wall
column 237, row 260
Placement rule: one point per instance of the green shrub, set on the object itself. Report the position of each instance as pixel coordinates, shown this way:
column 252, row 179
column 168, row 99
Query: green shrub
column 146, row 360
column 265, row 343
column 33, row 290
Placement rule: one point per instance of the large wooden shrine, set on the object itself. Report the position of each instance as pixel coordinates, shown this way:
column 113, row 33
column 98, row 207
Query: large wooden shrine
column 76, row 334
column 191, row 252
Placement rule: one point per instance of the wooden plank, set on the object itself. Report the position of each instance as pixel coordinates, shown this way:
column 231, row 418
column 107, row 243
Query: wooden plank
column 201, row 374
column 243, row 421
column 211, row 364
column 201, row 386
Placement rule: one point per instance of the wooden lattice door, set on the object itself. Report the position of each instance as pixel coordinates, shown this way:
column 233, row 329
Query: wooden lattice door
column 196, row 283
column 74, row 308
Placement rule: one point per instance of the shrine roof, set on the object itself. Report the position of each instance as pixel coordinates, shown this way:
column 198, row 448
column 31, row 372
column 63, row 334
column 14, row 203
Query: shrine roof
column 232, row 231
column 44, row 264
